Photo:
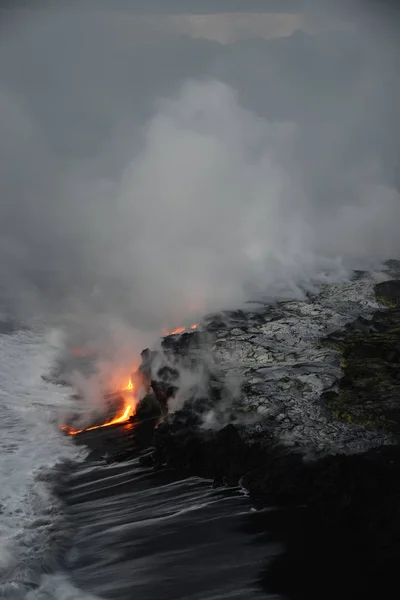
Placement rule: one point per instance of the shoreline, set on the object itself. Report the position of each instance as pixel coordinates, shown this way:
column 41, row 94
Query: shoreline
column 337, row 515
column 157, row 534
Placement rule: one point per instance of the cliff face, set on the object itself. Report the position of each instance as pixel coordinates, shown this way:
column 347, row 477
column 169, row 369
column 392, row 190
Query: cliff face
column 302, row 365
column 369, row 389
column 311, row 431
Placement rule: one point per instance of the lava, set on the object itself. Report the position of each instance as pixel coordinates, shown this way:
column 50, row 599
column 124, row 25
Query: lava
column 119, row 419
column 176, row 331
column 123, row 416
column 129, row 387
column 179, row 330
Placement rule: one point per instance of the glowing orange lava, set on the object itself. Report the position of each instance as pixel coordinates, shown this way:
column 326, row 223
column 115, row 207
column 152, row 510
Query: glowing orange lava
column 176, row 331
column 129, row 409
column 121, row 419
column 123, row 416
column 179, row 330
column 129, row 387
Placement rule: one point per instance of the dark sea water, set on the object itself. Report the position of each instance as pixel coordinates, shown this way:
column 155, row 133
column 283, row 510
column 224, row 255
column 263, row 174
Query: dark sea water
column 140, row 534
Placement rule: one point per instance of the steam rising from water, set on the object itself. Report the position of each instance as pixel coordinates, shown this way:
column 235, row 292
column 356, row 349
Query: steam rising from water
column 213, row 200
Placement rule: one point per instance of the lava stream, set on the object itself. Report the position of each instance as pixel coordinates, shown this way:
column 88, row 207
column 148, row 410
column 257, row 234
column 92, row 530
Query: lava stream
column 128, row 410
column 179, row 330
column 129, row 387
column 121, row 419
column 124, row 416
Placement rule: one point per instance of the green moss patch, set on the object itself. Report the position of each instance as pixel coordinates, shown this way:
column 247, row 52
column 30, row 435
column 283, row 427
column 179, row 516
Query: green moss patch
column 369, row 390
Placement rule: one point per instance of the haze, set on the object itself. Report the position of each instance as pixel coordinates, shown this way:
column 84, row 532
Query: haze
column 159, row 163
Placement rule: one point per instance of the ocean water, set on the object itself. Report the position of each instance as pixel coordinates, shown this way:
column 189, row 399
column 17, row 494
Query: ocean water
column 31, row 445
column 153, row 536
column 116, row 531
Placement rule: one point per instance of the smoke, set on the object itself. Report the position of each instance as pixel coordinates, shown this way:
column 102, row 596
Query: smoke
column 147, row 180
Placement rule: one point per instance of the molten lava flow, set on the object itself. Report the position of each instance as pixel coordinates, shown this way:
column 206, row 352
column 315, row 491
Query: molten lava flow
column 178, row 330
column 129, row 387
column 121, row 419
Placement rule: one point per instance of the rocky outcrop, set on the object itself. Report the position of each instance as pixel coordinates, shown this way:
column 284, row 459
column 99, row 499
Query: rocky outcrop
column 388, row 293
column 277, row 370
column 369, row 389
column 339, row 521
column 335, row 390
column 219, row 455
column 311, row 433
column 309, row 429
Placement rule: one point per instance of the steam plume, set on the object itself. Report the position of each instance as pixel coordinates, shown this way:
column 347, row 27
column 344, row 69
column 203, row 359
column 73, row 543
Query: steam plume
column 130, row 197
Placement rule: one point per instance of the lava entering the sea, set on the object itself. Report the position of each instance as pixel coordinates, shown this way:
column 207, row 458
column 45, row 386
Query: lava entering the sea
column 132, row 390
column 179, row 330
column 129, row 387
column 121, row 417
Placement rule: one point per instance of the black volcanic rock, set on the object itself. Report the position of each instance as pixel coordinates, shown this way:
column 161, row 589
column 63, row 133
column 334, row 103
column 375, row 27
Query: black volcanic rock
column 148, row 407
column 167, row 374
column 369, row 390
column 338, row 516
column 388, row 292
column 220, row 455
column 340, row 525
column 184, row 344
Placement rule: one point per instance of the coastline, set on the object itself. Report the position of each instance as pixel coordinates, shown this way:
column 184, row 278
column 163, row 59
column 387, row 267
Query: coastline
column 337, row 515
column 157, row 534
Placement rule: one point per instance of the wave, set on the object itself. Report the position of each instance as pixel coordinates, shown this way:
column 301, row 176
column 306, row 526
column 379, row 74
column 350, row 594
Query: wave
column 31, row 517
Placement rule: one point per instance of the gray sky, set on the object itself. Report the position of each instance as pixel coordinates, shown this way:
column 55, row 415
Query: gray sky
column 170, row 6
column 156, row 166
column 379, row 7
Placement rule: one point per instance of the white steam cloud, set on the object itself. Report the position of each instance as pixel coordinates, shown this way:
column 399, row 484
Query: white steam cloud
column 136, row 195
column 212, row 212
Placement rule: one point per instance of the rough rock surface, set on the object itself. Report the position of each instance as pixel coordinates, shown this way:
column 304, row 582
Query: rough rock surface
column 319, row 380
column 369, row 390
column 317, row 376
column 279, row 355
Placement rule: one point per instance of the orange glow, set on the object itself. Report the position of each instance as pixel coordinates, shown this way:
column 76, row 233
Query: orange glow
column 129, row 387
column 127, row 412
column 132, row 387
column 120, row 419
column 178, row 330
column 79, row 352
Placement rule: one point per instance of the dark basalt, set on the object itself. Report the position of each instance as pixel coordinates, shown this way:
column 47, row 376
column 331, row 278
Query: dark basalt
column 338, row 516
column 219, row 455
column 183, row 345
column 388, row 292
column 340, row 527
column 369, row 390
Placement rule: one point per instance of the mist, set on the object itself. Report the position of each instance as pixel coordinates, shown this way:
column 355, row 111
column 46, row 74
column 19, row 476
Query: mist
column 149, row 175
